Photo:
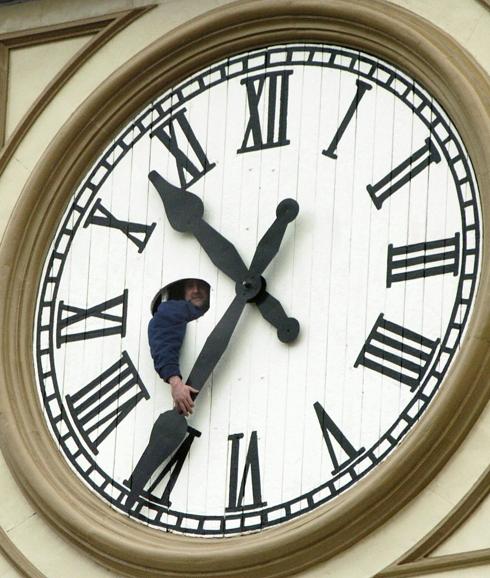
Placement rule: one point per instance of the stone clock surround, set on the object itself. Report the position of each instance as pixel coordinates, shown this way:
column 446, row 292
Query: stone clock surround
column 387, row 31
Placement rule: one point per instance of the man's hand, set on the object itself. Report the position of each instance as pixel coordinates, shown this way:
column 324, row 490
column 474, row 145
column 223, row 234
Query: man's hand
column 182, row 395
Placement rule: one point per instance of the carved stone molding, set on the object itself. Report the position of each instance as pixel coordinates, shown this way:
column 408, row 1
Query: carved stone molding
column 375, row 26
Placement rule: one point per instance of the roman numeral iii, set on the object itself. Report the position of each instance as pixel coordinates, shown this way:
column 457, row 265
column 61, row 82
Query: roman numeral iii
column 331, row 430
column 138, row 233
column 77, row 324
column 422, row 260
column 397, row 352
column 99, row 407
column 252, row 468
column 267, row 96
column 190, row 171
column 403, row 173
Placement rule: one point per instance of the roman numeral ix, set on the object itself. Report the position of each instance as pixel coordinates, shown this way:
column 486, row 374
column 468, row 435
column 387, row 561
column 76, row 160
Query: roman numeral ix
column 422, row 260
column 189, row 171
column 362, row 87
column 397, row 352
column 138, row 233
column 72, row 321
column 251, row 469
column 271, row 90
column 331, row 430
column 99, row 407
column 403, row 173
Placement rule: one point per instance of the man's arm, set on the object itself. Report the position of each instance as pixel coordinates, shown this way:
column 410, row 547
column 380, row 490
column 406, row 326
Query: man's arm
column 182, row 395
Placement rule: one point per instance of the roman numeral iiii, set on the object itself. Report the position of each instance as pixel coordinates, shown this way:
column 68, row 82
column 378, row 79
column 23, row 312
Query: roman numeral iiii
column 397, row 352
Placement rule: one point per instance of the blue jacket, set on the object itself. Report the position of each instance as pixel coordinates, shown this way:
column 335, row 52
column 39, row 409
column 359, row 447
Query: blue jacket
column 166, row 332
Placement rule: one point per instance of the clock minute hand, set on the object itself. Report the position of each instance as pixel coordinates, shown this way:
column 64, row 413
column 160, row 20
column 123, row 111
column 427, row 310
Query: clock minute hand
column 170, row 428
column 184, row 212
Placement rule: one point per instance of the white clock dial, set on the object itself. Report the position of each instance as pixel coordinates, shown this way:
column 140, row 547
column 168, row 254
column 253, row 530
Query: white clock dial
column 379, row 268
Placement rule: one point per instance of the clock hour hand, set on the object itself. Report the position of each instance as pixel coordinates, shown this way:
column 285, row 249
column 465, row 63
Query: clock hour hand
column 170, row 428
column 184, row 212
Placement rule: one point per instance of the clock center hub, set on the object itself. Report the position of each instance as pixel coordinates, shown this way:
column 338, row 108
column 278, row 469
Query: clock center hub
column 250, row 287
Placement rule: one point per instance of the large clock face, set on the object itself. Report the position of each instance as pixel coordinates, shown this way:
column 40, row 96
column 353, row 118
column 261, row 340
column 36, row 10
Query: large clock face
column 379, row 268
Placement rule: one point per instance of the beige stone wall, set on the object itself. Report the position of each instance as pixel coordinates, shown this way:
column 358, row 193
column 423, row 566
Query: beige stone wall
column 27, row 540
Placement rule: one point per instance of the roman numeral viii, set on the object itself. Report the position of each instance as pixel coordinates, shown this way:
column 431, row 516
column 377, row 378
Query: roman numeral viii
column 403, row 173
column 331, row 430
column 397, row 352
column 138, row 233
column 99, row 407
column 423, row 260
column 235, row 497
column 77, row 324
column 267, row 96
column 175, row 129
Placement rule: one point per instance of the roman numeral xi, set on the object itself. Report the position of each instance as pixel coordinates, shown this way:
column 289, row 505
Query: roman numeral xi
column 177, row 136
column 99, row 407
column 397, row 352
column 267, row 96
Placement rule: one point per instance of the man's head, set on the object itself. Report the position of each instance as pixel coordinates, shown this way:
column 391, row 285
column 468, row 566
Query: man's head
column 197, row 292
column 194, row 290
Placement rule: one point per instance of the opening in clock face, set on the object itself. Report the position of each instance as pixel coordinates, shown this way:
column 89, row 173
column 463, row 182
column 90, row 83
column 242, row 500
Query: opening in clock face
column 379, row 268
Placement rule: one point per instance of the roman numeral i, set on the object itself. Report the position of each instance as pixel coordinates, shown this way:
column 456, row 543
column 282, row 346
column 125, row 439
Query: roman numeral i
column 189, row 171
column 397, row 352
column 99, row 407
column 72, row 321
column 267, row 124
column 138, row 233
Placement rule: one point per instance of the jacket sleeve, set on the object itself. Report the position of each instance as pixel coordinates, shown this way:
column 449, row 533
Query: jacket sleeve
column 166, row 332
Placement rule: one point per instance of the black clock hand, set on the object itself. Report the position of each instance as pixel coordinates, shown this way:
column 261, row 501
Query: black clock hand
column 170, row 428
column 184, row 212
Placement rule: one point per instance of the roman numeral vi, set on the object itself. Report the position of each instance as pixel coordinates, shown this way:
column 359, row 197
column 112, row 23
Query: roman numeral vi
column 235, row 497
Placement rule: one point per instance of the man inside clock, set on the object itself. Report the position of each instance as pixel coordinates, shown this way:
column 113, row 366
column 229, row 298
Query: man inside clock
column 172, row 308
